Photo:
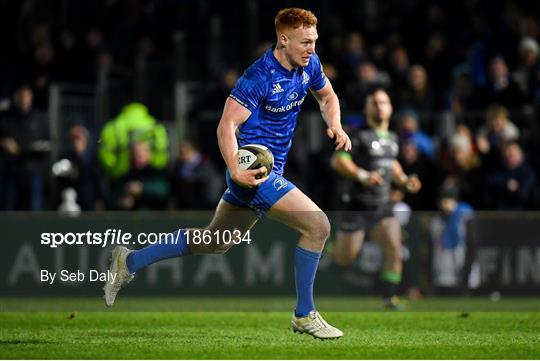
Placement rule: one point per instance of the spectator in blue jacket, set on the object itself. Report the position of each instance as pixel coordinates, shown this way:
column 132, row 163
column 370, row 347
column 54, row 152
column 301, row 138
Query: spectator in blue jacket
column 448, row 233
column 408, row 129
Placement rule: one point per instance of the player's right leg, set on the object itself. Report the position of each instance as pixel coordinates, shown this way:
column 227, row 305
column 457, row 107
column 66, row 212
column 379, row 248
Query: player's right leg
column 125, row 263
column 297, row 211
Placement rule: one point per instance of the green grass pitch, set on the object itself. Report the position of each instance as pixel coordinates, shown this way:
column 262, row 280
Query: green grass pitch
column 509, row 329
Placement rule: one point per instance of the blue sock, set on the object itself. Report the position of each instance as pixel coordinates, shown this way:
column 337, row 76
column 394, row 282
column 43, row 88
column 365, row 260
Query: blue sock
column 175, row 245
column 305, row 267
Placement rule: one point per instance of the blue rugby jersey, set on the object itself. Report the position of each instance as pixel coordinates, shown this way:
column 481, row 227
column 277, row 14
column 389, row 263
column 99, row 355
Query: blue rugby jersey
column 274, row 95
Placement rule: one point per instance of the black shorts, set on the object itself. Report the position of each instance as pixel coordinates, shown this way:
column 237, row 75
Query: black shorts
column 359, row 217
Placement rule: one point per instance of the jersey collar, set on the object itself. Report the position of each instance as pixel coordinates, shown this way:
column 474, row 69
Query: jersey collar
column 277, row 64
column 382, row 133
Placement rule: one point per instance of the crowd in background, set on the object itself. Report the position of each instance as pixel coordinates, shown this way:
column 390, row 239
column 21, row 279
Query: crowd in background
column 484, row 70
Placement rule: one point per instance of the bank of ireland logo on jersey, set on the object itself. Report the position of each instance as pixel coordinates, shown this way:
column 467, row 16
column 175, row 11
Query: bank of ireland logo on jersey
column 276, row 88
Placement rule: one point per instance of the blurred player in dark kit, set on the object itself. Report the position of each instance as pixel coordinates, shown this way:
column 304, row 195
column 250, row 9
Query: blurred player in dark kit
column 370, row 168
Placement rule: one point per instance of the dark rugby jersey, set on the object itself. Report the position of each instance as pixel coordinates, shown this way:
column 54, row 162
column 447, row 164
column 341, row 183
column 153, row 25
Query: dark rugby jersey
column 373, row 152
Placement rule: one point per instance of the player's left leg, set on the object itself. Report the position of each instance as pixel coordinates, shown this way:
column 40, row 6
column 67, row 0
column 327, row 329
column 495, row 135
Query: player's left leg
column 299, row 212
column 387, row 233
column 227, row 217
column 347, row 246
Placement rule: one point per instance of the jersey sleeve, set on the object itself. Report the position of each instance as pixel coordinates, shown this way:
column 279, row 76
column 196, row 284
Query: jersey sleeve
column 318, row 79
column 249, row 90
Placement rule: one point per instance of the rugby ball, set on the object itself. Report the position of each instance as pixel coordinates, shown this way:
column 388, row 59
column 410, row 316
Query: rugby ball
column 254, row 156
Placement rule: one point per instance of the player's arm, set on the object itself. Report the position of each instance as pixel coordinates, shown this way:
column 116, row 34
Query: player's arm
column 233, row 116
column 412, row 184
column 343, row 164
column 331, row 113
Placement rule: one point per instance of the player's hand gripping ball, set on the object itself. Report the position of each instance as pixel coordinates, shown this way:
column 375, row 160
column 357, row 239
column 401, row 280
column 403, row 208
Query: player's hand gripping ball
column 255, row 156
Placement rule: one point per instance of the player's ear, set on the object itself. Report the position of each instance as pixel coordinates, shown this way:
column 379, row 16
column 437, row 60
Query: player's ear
column 283, row 39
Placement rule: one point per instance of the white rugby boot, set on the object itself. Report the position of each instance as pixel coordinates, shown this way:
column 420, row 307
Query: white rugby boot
column 119, row 271
column 314, row 325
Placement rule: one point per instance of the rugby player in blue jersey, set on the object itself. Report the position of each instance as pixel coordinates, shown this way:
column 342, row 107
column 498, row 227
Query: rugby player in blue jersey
column 263, row 109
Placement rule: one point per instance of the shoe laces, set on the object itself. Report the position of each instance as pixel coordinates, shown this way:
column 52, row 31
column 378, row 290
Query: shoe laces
column 317, row 320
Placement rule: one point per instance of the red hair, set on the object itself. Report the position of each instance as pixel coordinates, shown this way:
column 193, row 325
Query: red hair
column 293, row 18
